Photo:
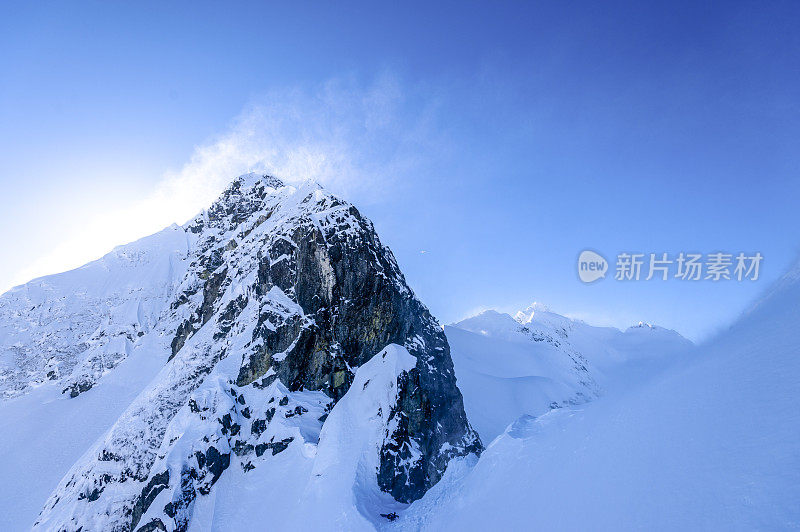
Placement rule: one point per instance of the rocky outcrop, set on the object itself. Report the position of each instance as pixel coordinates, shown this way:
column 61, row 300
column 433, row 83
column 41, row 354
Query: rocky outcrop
column 288, row 287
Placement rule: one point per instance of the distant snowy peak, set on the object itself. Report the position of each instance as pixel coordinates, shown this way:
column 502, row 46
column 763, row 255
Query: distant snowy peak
column 490, row 323
column 539, row 326
column 602, row 346
column 539, row 317
column 511, row 367
column 506, row 369
column 644, row 326
column 526, row 315
column 542, row 314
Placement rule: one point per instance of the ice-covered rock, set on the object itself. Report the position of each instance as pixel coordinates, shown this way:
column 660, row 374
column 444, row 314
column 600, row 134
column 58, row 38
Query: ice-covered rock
column 275, row 294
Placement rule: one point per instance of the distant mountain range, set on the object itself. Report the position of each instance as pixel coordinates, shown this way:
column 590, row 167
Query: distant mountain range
column 540, row 360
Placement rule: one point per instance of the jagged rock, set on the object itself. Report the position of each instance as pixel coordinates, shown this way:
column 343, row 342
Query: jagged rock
column 156, row 484
column 288, row 290
column 77, row 388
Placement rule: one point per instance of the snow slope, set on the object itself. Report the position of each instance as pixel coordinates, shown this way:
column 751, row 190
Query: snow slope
column 78, row 325
column 510, row 367
column 710, row 444
column 503, row 372
column 46, row 432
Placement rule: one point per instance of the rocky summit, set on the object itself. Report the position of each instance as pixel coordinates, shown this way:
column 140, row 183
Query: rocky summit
column 293, row 354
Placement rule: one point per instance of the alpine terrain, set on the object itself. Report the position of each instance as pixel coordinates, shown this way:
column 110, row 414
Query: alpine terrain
column 701, row 439
column 263, row 366
column 538, row 361
column 266, row 366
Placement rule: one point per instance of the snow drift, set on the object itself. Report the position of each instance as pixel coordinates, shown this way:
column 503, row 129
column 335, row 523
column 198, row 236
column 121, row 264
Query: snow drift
column 709, row 444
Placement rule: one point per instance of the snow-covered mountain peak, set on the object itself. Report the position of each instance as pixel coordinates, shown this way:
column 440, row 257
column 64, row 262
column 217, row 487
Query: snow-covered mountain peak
column 526, row 315
column 538, row 316
column 251, row 179
column 273, row 284
column 643, row 325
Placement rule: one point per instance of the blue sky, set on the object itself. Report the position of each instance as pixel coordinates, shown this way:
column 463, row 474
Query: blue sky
column 501, row 139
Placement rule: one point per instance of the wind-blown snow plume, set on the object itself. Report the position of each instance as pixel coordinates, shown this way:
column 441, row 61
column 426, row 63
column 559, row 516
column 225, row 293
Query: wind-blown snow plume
column 342, row 134
column 353, row 137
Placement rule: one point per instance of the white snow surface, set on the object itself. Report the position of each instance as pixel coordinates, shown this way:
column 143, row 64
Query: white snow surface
column 503, row 372
column 84, row 322
column 507, row 367
column 709, row 442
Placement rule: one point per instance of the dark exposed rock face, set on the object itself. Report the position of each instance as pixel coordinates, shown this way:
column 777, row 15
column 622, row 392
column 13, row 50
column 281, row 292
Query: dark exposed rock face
column 156, row 484
column 293, row 286
column 354, row 302
column 77, row 388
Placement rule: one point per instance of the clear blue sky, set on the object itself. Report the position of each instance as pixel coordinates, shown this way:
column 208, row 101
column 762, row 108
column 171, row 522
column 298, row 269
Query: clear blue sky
column 518, row 134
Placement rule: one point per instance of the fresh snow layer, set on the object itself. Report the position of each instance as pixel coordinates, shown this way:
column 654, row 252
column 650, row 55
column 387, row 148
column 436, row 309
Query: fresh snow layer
column 507, row 367
column 41, row 324
column 78, row 325
column 709, row 444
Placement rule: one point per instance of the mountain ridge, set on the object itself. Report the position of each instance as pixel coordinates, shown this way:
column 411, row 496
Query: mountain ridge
column 541, row 361
column 279, row 286
column 706, row 442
